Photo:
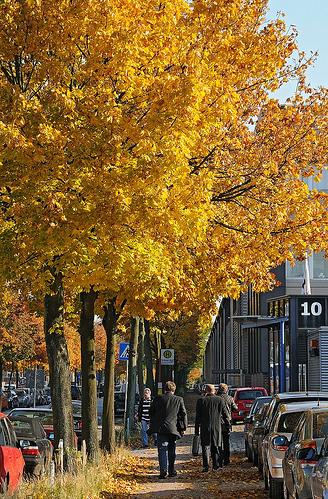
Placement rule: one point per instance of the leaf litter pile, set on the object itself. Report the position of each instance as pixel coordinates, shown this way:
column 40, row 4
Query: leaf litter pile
column 239, row 480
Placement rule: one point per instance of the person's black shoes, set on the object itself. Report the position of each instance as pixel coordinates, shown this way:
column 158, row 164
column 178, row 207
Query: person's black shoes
column 173, row 473
column 205, row 470
column 163, row 475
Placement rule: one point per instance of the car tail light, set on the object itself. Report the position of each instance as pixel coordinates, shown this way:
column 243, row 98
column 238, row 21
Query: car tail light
column 30, row 451
column 280, row 447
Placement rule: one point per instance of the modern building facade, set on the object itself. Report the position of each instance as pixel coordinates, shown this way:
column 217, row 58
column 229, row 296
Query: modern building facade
column 264, row 339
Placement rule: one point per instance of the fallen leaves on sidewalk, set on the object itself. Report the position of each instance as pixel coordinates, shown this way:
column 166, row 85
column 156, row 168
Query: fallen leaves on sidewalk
column 239, row 480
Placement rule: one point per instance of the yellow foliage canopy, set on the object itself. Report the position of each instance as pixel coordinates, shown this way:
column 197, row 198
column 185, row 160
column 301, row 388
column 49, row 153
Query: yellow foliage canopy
column 140, row 145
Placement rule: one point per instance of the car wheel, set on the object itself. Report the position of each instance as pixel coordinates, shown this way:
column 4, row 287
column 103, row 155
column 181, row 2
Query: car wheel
column 275, row 488
column 4, row 485
column 266, row 481
column 295, row 494
column 247, row 451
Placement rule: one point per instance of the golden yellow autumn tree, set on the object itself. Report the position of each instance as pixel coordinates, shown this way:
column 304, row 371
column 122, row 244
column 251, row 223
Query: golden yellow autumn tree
column 143, row 157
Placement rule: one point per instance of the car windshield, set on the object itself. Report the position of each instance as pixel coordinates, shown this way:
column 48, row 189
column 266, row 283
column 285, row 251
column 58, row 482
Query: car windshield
column 20, row 392
column 320, row 425
column 288, row 421
column 249, row 394
column 45, row 417
column 25, row 429
column 258, row 404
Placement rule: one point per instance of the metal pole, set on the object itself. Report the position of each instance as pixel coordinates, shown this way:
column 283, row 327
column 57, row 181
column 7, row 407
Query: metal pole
column 126, row 420
column 282, row 384
column 34, row 397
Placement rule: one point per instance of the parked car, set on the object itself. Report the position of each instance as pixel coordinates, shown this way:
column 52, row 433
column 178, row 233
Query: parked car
column 47, row 394
column 76, row 392
column 277, row 400
column 11, row 459
column 44, row 414
column 12, row 399
column 3, row 401
column 256, row 433
column 36, row 447
column 250, row 421
column 119, row 403
column 303, row 450
column 244, row 398
column 275, row 443
column 24, row 399
column 319, row 477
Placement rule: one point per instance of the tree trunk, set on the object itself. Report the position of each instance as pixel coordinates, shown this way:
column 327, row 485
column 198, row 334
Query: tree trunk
column 140, row 358
column 59, row 371
column 88, row 365
column 108, row 423
column 132, row 376
column 181, row 376
column 148, row 359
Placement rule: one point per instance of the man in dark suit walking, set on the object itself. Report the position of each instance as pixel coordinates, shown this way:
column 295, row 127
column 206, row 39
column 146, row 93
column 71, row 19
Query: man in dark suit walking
column 210, row 412
column 168, row 418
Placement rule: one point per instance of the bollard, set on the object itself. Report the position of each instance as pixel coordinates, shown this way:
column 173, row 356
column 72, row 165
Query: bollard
column 52, row 474
column 61, row 455
column 84, row 453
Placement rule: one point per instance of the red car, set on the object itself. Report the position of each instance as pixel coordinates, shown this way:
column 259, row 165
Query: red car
column 11, row 458
column 244, row 398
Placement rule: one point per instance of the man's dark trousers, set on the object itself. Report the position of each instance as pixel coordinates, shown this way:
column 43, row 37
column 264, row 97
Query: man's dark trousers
column 226, row 446
column 166, row 445
column 216, row 455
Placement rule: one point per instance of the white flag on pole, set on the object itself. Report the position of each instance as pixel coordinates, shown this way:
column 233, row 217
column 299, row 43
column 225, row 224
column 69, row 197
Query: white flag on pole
column 306, row 286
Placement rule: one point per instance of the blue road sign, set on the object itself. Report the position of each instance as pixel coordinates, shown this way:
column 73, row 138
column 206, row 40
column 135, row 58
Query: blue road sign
column 123, row 351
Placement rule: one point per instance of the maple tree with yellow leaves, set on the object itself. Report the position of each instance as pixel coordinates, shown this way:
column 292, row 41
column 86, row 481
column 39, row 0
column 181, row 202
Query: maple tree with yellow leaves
column 144, row 159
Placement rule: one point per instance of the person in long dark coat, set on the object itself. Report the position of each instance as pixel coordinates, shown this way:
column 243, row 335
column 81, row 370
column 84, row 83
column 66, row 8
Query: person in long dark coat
column 230, row 406
column 210, row 412
column 168, row 418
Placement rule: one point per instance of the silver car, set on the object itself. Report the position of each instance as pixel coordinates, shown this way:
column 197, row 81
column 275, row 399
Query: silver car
column 302, row 453
column 319, row 477
column 275, row 443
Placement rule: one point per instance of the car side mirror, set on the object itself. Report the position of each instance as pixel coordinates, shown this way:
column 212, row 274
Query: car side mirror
column 280, row 442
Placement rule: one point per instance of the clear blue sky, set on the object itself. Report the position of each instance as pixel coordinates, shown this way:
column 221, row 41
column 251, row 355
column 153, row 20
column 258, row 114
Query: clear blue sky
column 311, row 19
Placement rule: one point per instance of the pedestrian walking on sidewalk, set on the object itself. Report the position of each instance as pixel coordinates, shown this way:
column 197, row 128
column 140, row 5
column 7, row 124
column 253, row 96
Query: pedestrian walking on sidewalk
column 143, row 417
column 168, row 418
column 226, row 429
column 210, row 412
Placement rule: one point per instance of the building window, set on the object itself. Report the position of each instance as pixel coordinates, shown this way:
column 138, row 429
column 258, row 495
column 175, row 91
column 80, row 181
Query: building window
column 320, row 266
column 295, row 271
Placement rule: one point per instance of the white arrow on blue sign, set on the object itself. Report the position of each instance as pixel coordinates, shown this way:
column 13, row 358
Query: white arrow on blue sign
column 123, row 353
